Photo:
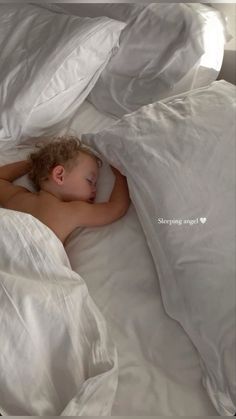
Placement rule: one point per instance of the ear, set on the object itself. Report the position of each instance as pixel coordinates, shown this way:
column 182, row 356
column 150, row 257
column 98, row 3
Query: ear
column 58, row 174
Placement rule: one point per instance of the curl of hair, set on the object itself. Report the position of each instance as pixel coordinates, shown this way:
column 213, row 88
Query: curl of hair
column 62, row 150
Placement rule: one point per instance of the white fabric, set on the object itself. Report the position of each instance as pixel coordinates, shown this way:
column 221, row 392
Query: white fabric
column 49, row 63
column 165, row 49
column 162, row 376
column 179, row 158
column 56, row 357
column 159, row 370
column 119, row 11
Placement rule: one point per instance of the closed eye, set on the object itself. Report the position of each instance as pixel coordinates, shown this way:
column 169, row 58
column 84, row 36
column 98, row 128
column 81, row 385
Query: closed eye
column 91, row 182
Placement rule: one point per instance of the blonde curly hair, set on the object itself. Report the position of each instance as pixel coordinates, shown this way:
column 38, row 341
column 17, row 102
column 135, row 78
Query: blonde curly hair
column 62, row 150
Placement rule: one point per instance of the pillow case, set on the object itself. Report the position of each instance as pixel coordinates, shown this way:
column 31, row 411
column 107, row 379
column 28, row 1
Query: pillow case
column 165, row 49
column 179, row 158
column 49, row 64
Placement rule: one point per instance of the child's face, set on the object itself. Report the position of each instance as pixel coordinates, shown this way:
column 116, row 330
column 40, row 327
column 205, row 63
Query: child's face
column 79, row 183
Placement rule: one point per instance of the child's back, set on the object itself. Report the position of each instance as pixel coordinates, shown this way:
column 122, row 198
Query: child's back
column 47, row 208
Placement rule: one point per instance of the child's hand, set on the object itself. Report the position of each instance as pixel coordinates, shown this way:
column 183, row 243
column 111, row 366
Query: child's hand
column 115, row 171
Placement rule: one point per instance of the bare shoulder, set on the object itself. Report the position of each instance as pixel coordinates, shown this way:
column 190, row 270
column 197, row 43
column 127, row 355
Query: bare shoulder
column 84, row 214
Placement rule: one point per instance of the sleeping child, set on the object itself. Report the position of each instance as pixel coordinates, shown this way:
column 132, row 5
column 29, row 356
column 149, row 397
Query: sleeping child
column 64, row 173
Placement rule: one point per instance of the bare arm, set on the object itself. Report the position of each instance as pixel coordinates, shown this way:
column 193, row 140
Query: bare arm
column 94, row 215
column 120, row 192
column 12, row 171
column 8, row 173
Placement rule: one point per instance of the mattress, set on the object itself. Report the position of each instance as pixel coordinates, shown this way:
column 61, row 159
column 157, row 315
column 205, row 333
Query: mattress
column 159, row 369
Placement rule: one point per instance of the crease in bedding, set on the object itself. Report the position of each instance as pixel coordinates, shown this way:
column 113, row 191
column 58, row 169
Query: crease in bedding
column 56, row 357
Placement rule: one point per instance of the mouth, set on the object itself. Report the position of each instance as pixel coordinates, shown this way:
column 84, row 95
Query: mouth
column 92, row 199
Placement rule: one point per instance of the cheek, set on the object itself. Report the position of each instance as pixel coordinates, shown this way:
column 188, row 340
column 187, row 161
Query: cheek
column 75, row 184
column 84, row 188
column 79, row 187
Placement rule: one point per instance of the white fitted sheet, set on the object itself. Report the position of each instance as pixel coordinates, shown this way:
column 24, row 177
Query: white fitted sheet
column 159, row 370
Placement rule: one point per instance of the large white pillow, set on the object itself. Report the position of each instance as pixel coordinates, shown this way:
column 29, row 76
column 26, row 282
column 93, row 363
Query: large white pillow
column 49, row 63
column 120, row 11
column 179, row 158
column 165, row 49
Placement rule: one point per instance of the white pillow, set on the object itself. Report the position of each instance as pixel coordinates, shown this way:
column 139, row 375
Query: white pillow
column 49, row 63
column 165, row 49
column 179, row 158
column 120, row 11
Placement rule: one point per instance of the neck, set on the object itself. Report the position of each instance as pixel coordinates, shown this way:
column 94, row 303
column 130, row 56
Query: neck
column 47, row 189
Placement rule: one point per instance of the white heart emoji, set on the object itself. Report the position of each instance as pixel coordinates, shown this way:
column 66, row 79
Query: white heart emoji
column 203, row 220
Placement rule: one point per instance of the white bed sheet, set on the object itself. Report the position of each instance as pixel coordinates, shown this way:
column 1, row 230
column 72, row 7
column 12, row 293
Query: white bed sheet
column 159, row 370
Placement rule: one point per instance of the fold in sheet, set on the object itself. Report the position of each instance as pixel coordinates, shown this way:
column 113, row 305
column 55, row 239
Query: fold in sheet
column 56, row 354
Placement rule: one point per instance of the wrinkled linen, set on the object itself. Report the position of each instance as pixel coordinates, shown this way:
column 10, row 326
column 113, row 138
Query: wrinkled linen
column 56, row 355
column 159, row 371
column 165, row 49
column 179, row 159
column 164, row 375
column 49, row 63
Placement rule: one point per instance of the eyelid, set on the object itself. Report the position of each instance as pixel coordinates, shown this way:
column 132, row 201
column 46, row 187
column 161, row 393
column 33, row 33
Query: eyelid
column 91, row 181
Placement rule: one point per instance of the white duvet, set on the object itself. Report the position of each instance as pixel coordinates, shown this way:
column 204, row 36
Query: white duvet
column 56, row 355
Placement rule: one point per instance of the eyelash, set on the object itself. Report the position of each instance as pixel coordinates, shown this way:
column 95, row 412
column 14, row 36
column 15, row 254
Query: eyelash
column 90, row 182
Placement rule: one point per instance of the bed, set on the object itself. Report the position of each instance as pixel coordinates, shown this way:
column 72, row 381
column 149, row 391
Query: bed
column 148, row 362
